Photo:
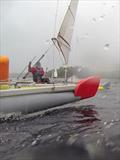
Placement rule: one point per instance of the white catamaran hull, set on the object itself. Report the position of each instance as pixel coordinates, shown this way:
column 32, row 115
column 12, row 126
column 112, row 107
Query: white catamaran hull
column 35, row 102
column 32, row 99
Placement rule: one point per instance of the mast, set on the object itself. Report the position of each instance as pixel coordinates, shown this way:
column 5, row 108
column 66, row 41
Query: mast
column 64, row 37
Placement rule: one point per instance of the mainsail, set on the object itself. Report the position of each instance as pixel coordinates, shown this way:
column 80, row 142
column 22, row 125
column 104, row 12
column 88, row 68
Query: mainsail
column 63, row 40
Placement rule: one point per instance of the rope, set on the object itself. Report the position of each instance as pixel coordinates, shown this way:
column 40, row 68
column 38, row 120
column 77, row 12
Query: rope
column 54, row 32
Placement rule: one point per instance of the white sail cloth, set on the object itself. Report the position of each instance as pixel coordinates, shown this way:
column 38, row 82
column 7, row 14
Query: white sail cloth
column 63, row 40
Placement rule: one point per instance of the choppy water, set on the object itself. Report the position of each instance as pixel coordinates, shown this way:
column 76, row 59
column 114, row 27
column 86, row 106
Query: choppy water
column 85, row 130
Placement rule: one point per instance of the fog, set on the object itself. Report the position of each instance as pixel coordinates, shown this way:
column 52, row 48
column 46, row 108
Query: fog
column 28, row 26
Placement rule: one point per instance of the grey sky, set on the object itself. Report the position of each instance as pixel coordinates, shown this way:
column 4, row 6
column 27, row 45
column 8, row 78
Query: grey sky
column 27, row 26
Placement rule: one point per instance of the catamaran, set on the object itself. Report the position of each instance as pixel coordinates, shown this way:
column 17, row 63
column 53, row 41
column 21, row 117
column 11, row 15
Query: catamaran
column 44, row 96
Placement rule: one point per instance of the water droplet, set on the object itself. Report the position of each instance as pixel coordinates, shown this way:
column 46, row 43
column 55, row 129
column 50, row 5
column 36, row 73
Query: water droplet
column 104, row 96
column 58, row 138
column 104, row 4
column 86, row 35
column 110, row 144
column 116, row 149
column 102, row 135
column 47, row 41
column 71, row 140
column 98, row 141
column 106, row 47
column 102, row 17
column 113, row 6
column 34, row 142
column 105, row 123
column 23, row 145
column 85, row 135
column 94, row 20
column 109, row 125
column 98, row 132
column 112, row 120
column 49, row 135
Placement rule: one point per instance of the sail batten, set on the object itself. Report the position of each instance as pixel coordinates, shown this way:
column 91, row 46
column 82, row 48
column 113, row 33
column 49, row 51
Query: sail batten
column 64, row 36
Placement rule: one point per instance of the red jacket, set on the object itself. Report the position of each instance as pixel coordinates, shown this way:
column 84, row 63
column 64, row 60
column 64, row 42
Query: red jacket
column 36, row 69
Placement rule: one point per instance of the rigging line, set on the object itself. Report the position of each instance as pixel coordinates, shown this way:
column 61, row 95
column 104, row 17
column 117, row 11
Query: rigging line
column 33, row 60
column 56, row 15
column 71, row 13
column 60, row 42
column 25, row 68
column 55, row 24
column 64, row 40
column 61, row 51
column 55, row 39
column 38, row 60
column 44, row 54
column 48, row 49
column 64, row 44
column 58, row 49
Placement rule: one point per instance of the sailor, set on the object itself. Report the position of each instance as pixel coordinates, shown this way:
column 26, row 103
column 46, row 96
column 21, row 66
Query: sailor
column 37, row 72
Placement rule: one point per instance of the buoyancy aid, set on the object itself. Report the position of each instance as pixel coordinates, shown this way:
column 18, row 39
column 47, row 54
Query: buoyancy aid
column 37, row 70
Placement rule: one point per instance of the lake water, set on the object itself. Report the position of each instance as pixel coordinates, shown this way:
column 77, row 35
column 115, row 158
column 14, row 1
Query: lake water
column 84, row 130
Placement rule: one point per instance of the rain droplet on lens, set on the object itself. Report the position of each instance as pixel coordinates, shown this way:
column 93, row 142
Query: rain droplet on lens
column 105, row 123
column 116, row 149
column 47, row 41
column 104, row 3
column 106, row 47
column 102, row 17
column 98, row 141
column 113, row 6
column 34, row 142
column 86, row 35
column 94, row 20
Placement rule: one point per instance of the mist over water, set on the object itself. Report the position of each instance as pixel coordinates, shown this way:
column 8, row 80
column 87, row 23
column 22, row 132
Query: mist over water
column 24, row 33
column 99, row 50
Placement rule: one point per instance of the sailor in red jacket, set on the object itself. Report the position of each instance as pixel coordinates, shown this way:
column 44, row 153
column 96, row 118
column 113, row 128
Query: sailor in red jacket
column 37, row 72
